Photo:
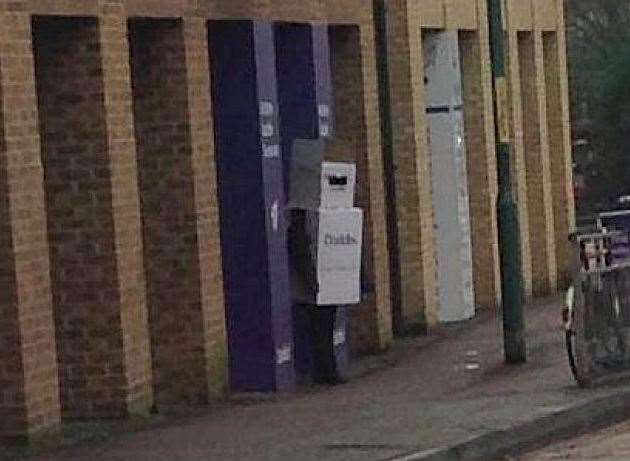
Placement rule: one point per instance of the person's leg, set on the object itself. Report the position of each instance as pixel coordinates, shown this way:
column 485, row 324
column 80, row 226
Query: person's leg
column 324, row 363
column 329, row 359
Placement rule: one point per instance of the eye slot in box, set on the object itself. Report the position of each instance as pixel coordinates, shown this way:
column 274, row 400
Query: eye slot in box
column 337, row 181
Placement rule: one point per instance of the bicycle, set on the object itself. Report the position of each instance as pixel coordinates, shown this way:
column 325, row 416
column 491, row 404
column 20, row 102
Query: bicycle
column 594, row 316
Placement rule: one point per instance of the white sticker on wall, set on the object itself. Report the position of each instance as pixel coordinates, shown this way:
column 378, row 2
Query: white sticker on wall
column 324, row 130
column 271, row 151
column 339, row 338
column 266, row 109
column 267, row 130
column 323, row 110
column 283, row 354
column 274, row 216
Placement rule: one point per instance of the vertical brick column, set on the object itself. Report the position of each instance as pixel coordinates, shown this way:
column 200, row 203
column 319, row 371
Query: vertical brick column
column 519, row 180
column 93, row 214
column 206, row 202
column 481, row 160
column 377, row 218
column 416, row 245
column 539, row 199
column 125, row 205
column 558, row 122
column 121, row 153
column 357, row 139
column 167, row 63
column 29, row 396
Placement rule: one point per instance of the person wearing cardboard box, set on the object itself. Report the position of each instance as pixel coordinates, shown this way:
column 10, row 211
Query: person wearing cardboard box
column 325, row 239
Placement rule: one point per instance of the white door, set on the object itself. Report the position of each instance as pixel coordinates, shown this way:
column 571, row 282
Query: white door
column 449, row 175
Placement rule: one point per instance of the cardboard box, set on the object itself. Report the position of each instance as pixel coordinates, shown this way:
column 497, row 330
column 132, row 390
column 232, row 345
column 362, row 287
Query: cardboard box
column 337, row 185
column 316, row 184
column 336, row 237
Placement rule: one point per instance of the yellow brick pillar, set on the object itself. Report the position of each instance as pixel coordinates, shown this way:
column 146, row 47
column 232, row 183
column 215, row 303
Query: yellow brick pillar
column 125, row 205
column 416, row 232
column 481, row 159
column 559, row 131
column 206, row 203
column 29, row 401
column 377, row 221
column 518, row 164
column 357, row 139
column 537, row 164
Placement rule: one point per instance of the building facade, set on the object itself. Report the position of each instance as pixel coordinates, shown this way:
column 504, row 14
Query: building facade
column 121, row 270
column 540, row 130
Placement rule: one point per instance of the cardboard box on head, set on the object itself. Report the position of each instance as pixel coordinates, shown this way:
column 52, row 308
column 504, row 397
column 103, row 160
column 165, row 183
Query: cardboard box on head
column 337, row 185
column 315, row 183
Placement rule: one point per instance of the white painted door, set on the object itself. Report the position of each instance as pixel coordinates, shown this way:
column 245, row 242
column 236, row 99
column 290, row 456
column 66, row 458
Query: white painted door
column 449, row 176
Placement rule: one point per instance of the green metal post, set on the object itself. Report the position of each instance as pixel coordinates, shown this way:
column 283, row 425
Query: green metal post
column 509, row 238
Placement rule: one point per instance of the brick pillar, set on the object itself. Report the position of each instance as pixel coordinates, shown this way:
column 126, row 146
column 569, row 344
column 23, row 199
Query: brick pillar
column 357, row 139
column 519, row 181
column 539, row 199
column 377, row 215
column 29, row 400
column 125, row 206
column 93, row 214
column 416, row 235
column 481, row 161
column 559, row 142
column 206, row 202
column 179, row 210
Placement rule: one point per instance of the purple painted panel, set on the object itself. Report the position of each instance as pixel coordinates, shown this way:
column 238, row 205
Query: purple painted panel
column 323, row 81
column 273, row 185
column 253, row 234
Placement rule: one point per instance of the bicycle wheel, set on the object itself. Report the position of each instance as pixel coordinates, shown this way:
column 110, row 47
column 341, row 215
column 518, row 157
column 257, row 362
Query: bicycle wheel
column 578, row 340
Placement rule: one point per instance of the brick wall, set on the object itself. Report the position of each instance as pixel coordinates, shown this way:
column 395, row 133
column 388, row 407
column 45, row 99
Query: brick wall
column 559, row 145
column 125, row 203
column 518, row 167
column 81, row 228
column 168, row 216
column 93, row 190
column 481, row 165
column 351, row 60
column 540, row 214
column 418, row 278
column 29, row 394
column 206, row 204
column 349, row 145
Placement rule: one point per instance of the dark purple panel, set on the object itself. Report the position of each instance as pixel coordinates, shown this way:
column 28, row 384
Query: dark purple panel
column 296, row 88
column 250, row 183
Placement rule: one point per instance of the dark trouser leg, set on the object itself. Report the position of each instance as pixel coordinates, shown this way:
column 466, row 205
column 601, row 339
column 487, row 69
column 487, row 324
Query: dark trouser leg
column 324, row 362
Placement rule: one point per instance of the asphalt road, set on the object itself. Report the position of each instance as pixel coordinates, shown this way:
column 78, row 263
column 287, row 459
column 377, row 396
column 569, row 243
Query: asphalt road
column 611, row 444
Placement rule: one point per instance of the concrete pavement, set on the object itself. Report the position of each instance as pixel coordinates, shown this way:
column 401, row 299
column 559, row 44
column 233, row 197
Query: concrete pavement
column 438, row 394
